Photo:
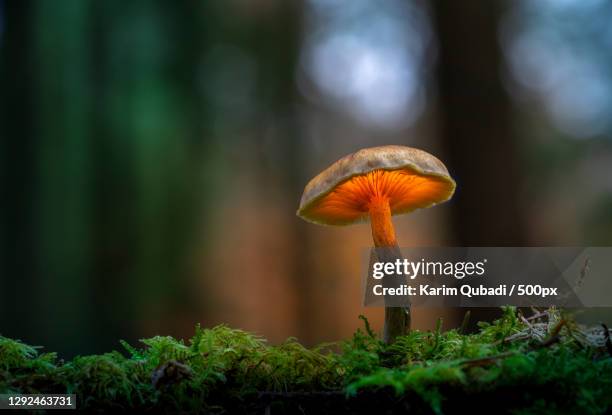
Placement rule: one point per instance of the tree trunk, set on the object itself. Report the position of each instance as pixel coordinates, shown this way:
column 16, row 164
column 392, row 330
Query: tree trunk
column 476, row 128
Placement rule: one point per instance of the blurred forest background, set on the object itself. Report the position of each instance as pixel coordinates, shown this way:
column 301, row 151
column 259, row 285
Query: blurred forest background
column 153, row 153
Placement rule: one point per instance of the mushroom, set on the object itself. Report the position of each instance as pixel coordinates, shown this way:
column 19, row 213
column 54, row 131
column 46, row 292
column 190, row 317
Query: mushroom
column 374, row 184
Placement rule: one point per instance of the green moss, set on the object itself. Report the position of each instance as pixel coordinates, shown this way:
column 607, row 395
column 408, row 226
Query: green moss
column 547, row 364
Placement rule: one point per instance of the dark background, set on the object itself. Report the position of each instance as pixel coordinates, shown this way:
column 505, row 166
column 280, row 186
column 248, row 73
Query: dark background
column 153, row 153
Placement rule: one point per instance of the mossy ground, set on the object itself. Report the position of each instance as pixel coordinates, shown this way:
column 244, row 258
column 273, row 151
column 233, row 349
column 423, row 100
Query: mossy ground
column 545, row 363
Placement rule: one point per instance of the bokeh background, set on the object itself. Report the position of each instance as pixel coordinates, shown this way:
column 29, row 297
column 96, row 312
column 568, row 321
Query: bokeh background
column 153, row 153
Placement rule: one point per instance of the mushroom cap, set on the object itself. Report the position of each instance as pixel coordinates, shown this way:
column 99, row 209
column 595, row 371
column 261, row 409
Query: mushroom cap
column 407, row 177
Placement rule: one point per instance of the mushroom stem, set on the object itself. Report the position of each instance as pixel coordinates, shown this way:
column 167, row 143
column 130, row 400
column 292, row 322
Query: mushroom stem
column 397, row 319
column 382, row 226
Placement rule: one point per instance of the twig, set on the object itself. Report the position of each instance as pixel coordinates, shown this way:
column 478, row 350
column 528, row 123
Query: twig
column 514, row 337
column 465, row 322
column 537, row 315
column 607, row 338
column 554, row 335
column 525, row 321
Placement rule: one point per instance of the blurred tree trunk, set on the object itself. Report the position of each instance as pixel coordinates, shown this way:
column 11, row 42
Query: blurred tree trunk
column 129, row 131
column 149, row 154
column 476, row 127
column 103, row 127
column 63, row 213
column 277, row 49
column 284, row 36
column 17, row 162
column 476, row 124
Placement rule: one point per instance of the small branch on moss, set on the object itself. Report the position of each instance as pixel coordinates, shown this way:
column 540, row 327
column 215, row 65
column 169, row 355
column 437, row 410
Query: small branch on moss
column 537, row 314
column 170, row 372
column 554, row 335
column 557, row 329
column 465, row 323
column 548, row 342
column 515, row 337
column 368, row 328
column 524, row 320
column 607, row 338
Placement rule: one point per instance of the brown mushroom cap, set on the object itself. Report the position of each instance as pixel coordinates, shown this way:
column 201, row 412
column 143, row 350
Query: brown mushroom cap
column 407, row 177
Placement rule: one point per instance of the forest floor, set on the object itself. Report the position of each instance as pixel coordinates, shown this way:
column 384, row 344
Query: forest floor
column 540, row 363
